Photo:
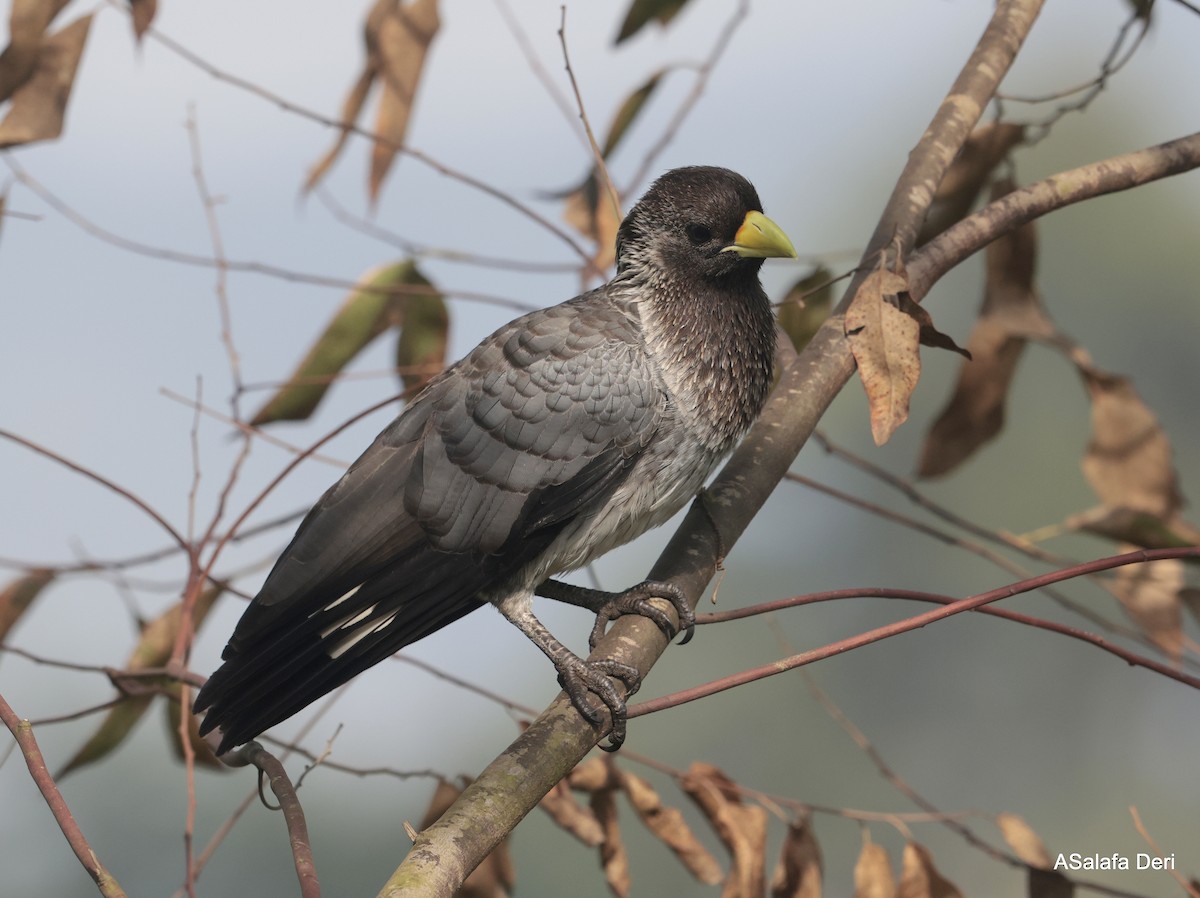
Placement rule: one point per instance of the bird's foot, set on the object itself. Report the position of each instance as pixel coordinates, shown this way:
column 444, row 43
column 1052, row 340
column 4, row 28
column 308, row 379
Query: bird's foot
column 637, row 600
column 579, row 678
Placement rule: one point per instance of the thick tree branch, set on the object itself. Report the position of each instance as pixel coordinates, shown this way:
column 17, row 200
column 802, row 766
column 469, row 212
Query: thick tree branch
column 446, row 852
column 927, row 265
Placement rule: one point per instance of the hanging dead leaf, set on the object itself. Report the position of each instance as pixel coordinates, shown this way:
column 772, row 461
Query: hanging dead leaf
column 592, row 775
column 495, row 876
column 873, row 877
column 373, row 307
column 806, row 305
column 798, row 874
column 1128, row 462
column 667, row 824
column 421, row 349
column 589, row 210
column 642, row 12
column 613, row 858
column 885, row 342
column 975, row 412
column 397, row 35
column 1049, row 884
column 153, row 649
column 27, row 23
column 985, row 149
column 741, row 828
column 19, row 594
column 919, row 878
column 1024, row 842
column 1151, row 596
column 628, row 113
column 1012, row 312
column 352, row 107
column 402, row 41
column 39, row 102
column 568, row 813
column 142, row 12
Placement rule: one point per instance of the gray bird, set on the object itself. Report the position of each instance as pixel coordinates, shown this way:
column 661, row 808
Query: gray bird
column 564, row 434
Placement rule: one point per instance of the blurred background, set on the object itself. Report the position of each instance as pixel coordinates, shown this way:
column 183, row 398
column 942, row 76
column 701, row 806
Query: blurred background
column 818, row 104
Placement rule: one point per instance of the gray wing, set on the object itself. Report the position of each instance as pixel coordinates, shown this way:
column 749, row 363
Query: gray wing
column 537, row 426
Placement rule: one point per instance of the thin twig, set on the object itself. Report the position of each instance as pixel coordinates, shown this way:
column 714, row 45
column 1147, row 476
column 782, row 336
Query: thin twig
column 22, row 731
column 921, row 620
column 597, row 155
column 103, row 481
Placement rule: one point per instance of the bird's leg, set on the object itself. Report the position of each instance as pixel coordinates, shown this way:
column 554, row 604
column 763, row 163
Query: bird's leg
column 577, row 676
column 609, row 606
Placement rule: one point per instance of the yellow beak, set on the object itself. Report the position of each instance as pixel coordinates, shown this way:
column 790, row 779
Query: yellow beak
column 759, row 237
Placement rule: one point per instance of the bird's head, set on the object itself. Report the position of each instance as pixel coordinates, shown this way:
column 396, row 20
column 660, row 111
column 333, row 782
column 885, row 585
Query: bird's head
column 700, row 222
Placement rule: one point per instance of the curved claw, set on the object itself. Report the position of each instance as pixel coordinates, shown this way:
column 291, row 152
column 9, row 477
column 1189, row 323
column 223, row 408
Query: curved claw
column 595, row 677
column 636, row 600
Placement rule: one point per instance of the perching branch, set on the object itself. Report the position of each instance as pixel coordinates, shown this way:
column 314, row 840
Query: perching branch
column 446, row 852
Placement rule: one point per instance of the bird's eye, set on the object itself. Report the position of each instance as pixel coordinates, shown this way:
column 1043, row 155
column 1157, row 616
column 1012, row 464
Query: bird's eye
column 698, row 233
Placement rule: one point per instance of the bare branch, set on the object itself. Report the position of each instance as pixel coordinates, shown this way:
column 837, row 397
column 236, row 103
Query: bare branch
column 22, row 731
column 921, row 620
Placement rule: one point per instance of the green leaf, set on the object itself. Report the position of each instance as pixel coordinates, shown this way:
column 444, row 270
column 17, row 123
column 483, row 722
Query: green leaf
column 19, row 595
column 629, row 111
column 806, row 306
column 364, row 315
column 421, row 349
column 153, row 649
column 641, row 12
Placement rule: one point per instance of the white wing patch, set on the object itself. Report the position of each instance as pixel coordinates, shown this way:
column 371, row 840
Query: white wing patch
column 355, row 635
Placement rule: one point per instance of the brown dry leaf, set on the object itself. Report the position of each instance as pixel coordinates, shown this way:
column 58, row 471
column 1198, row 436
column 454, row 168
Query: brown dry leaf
column 798, row 874
column 27, row 22
column 1128, row 461
column 39, row 102
column 668, row 825
column 372, row 308
column 741, row 828
column 153, row 649
column 642, row 12
column 402, row 41
column 143, row 12
column 1025, row 843
column 985, row 149
column 19, row 594
column 873, row 877
column 613, row 857
column 495, row 876
column 591, row 775
column 568, row 813
column 1049, row 884
column 589, row 210
column 885, row 342
column 629, row 111
column 806, row 305
column 919, row 878
column 352, row 107
column 1012, row 312
column 397, row 36
column 1151, row 596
